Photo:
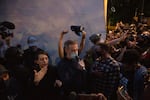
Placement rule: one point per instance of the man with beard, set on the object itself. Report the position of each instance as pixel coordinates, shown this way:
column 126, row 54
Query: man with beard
column 105, row 72
column 71, row 70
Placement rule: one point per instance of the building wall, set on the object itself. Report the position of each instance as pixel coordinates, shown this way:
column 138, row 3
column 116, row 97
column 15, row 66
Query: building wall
column 47, row 18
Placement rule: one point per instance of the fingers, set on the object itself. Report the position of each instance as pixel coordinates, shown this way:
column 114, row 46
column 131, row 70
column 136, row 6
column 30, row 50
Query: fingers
column 64, row 32
column 83, row 32
column 101, row 96
column 38, row 76
column 35, row 72
column 58, row 83
column 124, row 35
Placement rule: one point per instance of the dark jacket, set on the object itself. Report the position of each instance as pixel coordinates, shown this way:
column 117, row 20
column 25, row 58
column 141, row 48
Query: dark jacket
column 73, row 78
column 45, row 90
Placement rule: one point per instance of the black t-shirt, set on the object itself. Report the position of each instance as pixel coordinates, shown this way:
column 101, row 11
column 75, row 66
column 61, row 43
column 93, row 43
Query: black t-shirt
column 73, row 78
column 45, row 90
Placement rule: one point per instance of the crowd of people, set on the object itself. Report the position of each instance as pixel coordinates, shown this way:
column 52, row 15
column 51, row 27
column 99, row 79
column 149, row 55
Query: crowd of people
column 117, row 69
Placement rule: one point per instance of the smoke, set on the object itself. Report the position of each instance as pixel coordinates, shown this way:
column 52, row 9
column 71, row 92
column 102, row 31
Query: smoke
column 47, row 18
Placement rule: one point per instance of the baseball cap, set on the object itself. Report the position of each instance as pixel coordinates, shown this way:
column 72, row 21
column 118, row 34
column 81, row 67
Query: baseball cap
column 32, row 41
column 95, row 37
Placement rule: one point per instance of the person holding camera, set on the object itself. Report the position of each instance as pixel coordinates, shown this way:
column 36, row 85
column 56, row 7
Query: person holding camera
column 6, row 33
column 70, row 71
column 77, row 30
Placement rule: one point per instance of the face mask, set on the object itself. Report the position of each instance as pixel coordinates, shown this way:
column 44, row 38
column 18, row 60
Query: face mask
column 74, row 55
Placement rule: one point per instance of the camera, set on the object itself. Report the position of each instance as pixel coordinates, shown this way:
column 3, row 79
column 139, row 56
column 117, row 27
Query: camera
column 6, row 29
column 77, row 29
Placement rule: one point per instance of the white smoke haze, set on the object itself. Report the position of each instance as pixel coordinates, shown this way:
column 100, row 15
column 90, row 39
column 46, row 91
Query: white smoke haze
column 47, row 18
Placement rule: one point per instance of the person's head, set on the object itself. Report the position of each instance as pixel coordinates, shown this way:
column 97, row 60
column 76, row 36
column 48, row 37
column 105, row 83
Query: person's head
column 133, row 27
column 110, row 36
column 13, row 56
column 102, row 49
column 131, row 57
column 42, row 59
column 95, row 38
column 131, row 41
column 3, row 73
column 71, row 49
column 32, row 41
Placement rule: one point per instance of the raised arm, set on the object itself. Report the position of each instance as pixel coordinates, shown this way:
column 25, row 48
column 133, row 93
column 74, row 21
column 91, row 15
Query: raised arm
column 115, row 41
column 60, row 44
column 82, row 43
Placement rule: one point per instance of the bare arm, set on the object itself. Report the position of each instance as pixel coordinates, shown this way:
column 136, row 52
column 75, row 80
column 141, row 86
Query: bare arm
column 119, row 58
column 82, row 41
column 60, row 44
column 115, row 41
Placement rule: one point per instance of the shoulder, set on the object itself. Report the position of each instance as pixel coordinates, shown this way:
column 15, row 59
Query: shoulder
column 141, row 73
column 27, row 50
column 113, row 62
column 143, row 70
column 115, row 65
column 62, row 61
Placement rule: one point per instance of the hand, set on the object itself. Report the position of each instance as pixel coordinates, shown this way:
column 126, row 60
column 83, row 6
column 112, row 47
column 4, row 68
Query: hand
column 57, row 83
column 83, row 34
column 101, row 96
column 38, row 76
column 124, row 35
column 4, row 76
column 64, row 32
column 82, row 64
column 122, row 94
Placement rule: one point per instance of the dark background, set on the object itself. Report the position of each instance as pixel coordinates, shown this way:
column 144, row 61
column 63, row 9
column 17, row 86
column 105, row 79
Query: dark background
column 126, row 9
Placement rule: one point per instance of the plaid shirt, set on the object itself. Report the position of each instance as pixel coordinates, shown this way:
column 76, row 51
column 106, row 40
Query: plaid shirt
column 109, row 82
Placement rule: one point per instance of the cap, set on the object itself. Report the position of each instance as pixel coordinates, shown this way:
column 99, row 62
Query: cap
column 7, row 24
column 95, row 37
column 32, row 41
column 2, row 69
